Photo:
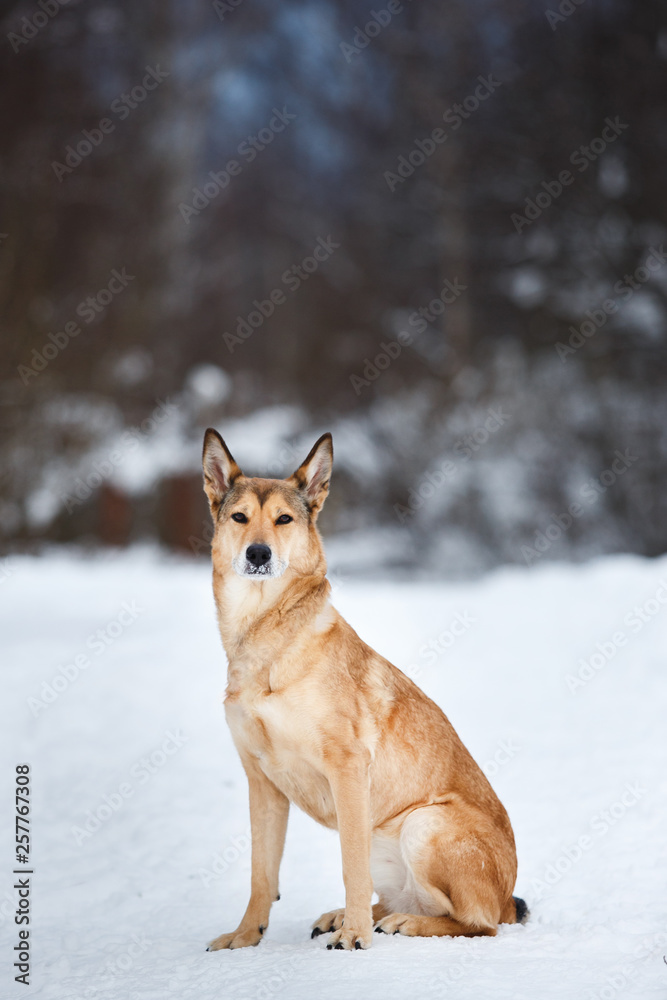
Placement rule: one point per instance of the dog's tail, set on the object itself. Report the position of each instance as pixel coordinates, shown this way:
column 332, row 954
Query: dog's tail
column 515, row 911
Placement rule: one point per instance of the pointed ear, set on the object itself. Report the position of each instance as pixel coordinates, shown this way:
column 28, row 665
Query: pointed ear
column 312, row 477
column 220, row 469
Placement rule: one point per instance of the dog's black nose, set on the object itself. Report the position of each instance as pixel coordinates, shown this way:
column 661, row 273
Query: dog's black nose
column 258, row 555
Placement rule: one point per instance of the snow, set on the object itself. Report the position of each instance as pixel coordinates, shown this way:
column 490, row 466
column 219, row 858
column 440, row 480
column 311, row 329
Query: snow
column 127, row 910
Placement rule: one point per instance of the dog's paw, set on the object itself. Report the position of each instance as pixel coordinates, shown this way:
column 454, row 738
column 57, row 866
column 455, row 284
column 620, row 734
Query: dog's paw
column 397, row 923
column 331, row 921
column 239, row 938
column 350, row 939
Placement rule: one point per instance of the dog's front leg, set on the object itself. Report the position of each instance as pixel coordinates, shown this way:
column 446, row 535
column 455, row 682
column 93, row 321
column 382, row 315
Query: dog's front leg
column 269, row 810
column 350, row 785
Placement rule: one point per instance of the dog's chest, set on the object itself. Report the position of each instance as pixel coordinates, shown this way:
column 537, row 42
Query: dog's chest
column 276, row 729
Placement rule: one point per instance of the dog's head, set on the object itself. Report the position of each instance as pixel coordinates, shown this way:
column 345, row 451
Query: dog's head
column 264, row 526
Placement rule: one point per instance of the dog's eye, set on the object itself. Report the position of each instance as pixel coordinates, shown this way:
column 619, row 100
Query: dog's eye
column 239, row 517
column 284, row 519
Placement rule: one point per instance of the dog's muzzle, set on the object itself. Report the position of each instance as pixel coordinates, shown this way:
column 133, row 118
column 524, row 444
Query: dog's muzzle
column 259, row 557
column 259, row 561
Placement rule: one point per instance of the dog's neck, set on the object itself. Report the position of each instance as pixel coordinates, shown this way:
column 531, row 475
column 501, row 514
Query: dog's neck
column 258, row 617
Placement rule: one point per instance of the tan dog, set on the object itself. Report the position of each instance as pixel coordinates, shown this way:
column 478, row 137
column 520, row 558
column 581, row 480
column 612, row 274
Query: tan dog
column 320, row 719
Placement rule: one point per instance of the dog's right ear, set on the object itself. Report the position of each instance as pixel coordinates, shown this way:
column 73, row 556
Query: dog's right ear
column 220, row 469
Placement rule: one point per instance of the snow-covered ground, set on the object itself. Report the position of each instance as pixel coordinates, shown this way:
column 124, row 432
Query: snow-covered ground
column 141, row 849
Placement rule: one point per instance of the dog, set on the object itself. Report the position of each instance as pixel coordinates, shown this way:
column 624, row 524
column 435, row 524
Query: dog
column 322, row 720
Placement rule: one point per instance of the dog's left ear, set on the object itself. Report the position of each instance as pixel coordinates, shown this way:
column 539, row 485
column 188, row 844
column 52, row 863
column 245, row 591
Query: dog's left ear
column 312, row 477
column 220, row 469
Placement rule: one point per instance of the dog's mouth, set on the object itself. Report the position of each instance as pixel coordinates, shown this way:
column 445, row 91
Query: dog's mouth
column 270, row 570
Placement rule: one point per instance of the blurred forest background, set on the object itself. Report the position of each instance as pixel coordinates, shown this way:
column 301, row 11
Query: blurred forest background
column 437, row 229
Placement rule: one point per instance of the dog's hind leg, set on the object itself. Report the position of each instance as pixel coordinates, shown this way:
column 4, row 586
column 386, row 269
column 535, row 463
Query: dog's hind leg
column 419, row 926
column 458, row 876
